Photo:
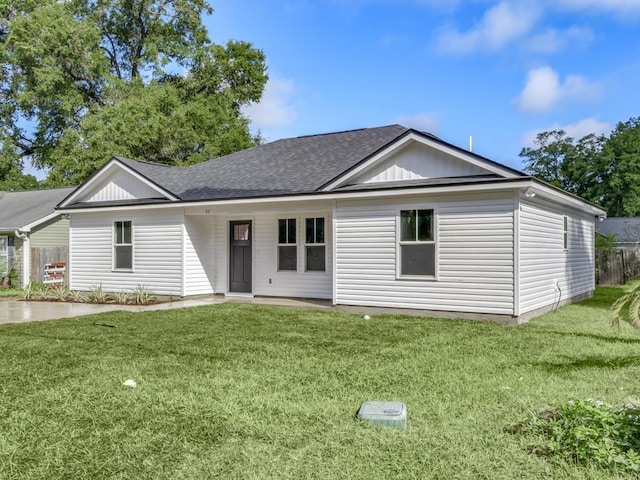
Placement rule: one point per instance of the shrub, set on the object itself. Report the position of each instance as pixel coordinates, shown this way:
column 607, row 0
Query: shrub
column 35, row 291
column 59, row 294
column 587, row 432
column 121, row 298
column 97, row 295
column 142, row 296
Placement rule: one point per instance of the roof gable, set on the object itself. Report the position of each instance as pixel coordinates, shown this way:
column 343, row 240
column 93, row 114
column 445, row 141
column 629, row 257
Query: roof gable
column 416, row 156
column 117, row 182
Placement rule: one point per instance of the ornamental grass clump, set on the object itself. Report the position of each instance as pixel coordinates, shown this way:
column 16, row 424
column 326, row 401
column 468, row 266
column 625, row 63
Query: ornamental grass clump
column 587, row 432
column 626, row 308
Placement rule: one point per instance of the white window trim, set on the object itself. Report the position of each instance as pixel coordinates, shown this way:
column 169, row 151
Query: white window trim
column 400, row 243
column 565, row 232
column 6, row 253
column 114, row 244
column 305, row 244
column 295, row 244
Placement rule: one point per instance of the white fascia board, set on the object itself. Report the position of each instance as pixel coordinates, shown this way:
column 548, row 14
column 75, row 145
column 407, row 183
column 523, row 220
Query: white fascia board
column 413, row 137
column 40, row 221
column 112, row 164
column 508, row 185
column 392, row 193
column 551, row 193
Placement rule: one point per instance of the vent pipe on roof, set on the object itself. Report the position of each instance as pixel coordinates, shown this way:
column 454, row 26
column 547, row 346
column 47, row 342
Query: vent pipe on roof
column 470, row 143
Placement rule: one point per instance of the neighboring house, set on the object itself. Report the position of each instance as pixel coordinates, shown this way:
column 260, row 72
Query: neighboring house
column 381, row 217
column 625, row 231
column 28, row 223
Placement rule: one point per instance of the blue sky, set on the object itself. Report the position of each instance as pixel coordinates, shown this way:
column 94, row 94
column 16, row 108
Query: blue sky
column 497, row 71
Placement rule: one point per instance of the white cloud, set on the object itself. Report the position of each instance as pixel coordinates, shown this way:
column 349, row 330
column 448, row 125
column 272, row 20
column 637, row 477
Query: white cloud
column 544, row 90
column 500, row 25
column 276, row 108
column 422, row 121
column 576, row 130
column 553, row 40
column 617, row 7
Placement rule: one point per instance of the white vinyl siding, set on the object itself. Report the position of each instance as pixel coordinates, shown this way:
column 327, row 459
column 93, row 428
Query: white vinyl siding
column 418, row 161
column 300, row 283
column 198, row 255
column 474, row 254
column 266, row 279
column 120, row 185
column 549, row 273
column 157, row 239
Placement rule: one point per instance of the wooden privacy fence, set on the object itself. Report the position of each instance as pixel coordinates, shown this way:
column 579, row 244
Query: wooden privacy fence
column 617, row 267
column 41, row 256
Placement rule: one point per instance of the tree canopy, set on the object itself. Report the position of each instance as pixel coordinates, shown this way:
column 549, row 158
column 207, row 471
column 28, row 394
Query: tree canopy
column 602, row 169
column 83, row 80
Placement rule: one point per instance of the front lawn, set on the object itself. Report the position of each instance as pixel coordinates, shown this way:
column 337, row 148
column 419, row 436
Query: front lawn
column 251, row 392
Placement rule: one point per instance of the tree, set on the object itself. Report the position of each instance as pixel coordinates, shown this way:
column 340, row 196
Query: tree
column 566, row 163
column 83, row 80
column 619, row 165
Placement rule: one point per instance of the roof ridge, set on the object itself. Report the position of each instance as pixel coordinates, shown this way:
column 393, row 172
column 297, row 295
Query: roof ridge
column 146, row 162
column 349, row 131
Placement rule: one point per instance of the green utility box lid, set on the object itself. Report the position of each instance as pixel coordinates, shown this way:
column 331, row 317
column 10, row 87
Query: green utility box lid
column 392, row 414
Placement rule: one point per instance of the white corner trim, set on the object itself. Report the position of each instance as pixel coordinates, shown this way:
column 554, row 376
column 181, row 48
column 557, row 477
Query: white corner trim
column 413, row 137
column 106, row 169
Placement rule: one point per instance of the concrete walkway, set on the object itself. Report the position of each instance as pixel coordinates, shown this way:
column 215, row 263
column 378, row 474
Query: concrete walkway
column 18, row 311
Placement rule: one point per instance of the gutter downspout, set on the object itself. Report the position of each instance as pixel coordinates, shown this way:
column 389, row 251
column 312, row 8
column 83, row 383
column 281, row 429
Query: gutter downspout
column 26, row 256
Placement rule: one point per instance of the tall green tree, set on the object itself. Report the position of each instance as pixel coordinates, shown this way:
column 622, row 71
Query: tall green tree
column 566, row 163
column 619, row 165
column 82, row 80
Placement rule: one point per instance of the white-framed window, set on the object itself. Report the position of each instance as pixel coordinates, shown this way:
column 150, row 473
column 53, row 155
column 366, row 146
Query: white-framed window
column 565, row 232
column 122, row 245
column 4, row 254
column 287, row 245
column 416, row 243
column 315, row 249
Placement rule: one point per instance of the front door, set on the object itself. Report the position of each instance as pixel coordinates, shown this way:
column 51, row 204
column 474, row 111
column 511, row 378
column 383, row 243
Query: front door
column 240, row 256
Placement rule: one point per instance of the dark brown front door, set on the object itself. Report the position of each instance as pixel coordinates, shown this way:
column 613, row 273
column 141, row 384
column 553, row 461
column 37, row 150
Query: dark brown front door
column 240, row 256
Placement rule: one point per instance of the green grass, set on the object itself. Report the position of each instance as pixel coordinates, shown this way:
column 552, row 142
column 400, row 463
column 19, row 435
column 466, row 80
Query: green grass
column 251, row 392
column 11, row 292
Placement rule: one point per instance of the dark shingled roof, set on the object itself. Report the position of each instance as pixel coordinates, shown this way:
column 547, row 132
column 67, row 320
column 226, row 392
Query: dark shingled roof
column 625, row 229
column 288, row 166
column 18, row 209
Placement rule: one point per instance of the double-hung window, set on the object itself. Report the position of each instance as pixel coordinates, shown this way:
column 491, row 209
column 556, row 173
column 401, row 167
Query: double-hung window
column 4, row 254
column 417, row 245
column 122, row 245
column 565, row 232
column 315, row 247
column 287, row 245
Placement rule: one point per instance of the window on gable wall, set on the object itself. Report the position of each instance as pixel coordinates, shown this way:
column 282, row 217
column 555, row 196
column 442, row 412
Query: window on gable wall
column 287, row 245
column 315, row 247
column 417, row 243
column 122, row 246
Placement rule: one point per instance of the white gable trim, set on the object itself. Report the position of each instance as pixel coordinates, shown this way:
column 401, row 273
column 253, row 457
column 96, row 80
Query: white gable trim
column 414, row 137
column 114, row 163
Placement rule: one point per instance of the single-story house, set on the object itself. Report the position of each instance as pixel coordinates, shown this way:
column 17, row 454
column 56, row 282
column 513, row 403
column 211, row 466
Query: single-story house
column 379, row 217
column 30, row 225
column 625, row 231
